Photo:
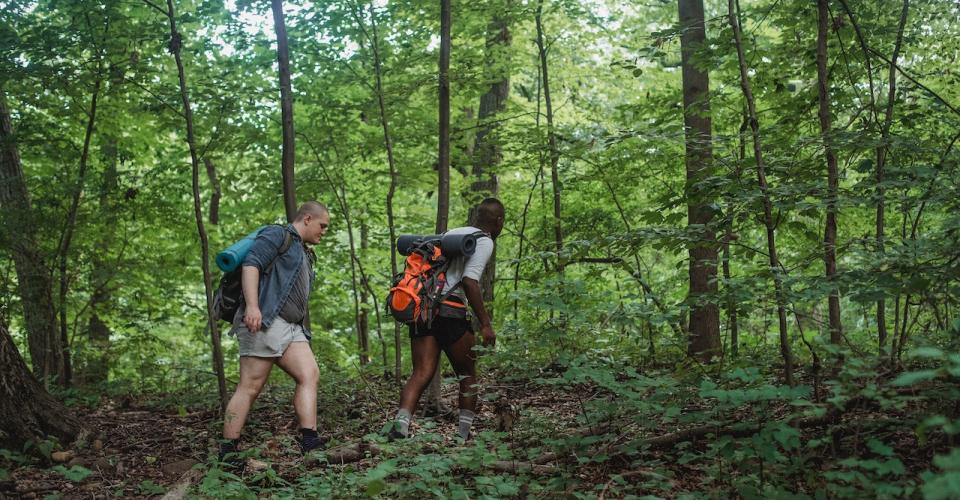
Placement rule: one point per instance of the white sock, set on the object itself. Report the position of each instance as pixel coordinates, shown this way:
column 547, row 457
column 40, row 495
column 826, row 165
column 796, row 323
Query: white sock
column 403, row 422
column 466, row 420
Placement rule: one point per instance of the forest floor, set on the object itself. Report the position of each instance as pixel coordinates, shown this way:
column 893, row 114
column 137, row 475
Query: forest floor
column 143, row 447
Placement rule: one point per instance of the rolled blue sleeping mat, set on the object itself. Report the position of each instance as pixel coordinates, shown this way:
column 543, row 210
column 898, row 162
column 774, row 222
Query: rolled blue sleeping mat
column 452, row 245
column 233, row 256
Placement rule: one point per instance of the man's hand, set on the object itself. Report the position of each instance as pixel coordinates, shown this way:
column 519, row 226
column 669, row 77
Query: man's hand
column 489, row 337
column 253, row 319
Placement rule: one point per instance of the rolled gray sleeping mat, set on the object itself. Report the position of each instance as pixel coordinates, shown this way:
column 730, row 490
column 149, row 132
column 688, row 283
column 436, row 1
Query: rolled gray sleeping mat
column 452, row 245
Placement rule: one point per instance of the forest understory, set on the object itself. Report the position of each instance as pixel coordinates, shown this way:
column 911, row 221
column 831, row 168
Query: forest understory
column 540, row 436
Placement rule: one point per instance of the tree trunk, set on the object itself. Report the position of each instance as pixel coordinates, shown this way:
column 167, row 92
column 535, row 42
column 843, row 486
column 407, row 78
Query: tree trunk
column 882, row 152
column 704, row 327
column 19, row 233
column 487, row 150
column 64, row 250
column 391, row 191
column 175, row 46
column 432, row 404
column 551, row 138
column 286, row 112
column 27, row 411
column 833, row 176
column 785, row 351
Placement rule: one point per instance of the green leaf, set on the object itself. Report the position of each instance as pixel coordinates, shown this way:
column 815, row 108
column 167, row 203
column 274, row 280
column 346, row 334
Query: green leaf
column 76, row 473
column 910, row 378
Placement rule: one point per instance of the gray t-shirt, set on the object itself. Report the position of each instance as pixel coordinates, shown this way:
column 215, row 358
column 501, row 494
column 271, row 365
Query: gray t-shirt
column 468, row 267
column 295, row 307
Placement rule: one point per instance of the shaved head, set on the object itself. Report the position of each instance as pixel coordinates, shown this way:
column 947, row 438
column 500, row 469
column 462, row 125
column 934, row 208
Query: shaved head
column 314, row 208
column 490, row 211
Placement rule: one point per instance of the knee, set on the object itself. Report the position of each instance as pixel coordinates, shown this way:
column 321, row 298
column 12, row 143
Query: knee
column 310, row 377
column 251, row 388
column 420, row 379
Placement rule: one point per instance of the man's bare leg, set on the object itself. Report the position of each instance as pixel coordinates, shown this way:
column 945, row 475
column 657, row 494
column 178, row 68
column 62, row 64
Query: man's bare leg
column 253, row 375
column 299, row 363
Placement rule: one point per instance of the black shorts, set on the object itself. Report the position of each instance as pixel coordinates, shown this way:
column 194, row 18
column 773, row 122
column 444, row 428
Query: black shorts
column 446, row 330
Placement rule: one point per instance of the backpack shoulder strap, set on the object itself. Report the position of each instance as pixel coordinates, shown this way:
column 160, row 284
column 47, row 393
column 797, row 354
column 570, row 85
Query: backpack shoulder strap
column 287, row 241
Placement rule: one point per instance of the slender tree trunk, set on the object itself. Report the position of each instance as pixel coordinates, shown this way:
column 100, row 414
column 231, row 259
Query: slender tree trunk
column 551, row 137
column 214, row 214
column 731, row 301
column 286, row 112
column 704, row 327
column 432, row 403
column 27, row 411
column 64, row 251
column 443, row 184
column 176, row 41
column 833, row 175
column 785, row 351
column 391, row 191
column 526, row 207
column 19, row 232
column 882, row 152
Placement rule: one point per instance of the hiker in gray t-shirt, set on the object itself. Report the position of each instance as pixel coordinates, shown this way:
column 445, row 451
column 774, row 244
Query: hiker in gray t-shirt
column 453, row 333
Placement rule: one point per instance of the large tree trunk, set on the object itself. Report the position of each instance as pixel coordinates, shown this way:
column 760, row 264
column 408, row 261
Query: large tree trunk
column 785, row 351
column 487, row 152
column 882, row 151
column 551, row 137
column 175, row 46
column 833, row 176
column 27, row 411
column 432, row 404
column 19, row 235
column 286, row 112
column 704, row 328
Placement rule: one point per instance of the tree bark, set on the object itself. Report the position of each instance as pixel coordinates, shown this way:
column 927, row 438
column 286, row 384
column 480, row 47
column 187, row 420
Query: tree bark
column 19, row 233
column 833, row 176
column 27, row 411
column 432, row 403
column 286, row 112
column 704, row 328
column 785, row 351
column 175, row 45
column 882, row 152
column 551, row 137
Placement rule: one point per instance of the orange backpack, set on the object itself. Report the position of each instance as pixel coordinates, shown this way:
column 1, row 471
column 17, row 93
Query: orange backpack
column 417, row 293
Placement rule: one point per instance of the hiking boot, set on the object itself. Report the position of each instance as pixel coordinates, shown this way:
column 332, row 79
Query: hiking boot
column 229, row 457
column 310, row 440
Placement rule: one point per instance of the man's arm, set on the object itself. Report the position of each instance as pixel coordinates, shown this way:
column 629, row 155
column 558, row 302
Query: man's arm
column 471, row 289
column 250, row 280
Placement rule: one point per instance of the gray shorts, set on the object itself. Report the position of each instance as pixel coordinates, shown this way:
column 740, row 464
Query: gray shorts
column 269, row 343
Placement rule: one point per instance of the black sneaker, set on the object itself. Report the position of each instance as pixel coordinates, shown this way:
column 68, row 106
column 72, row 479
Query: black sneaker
column 395, row 435
column 310, row 440
column 229, row 457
